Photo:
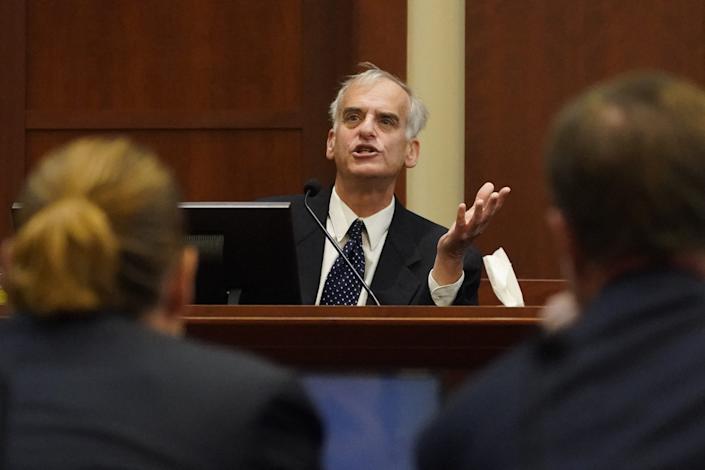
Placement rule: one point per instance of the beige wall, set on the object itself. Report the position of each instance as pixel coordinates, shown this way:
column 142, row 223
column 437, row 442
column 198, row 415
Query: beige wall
column 435, row 70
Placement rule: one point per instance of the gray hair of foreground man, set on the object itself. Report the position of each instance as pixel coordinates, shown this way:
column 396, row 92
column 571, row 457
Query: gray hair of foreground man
column 626, row 165
column 99, row 228
column 417, row 112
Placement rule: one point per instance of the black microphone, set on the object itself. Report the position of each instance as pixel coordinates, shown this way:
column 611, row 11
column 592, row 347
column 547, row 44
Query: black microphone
column 311, row 188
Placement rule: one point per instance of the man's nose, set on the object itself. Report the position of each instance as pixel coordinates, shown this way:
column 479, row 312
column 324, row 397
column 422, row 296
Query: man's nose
column 367, row 127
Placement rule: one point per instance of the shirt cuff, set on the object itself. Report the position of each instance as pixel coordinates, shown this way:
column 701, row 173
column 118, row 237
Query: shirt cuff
column 444, row 295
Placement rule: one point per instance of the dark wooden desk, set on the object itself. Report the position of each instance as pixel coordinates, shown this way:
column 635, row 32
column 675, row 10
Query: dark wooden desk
column 376, row 338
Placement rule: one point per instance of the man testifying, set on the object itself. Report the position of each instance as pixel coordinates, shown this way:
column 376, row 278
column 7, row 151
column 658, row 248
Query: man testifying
column 403, row 257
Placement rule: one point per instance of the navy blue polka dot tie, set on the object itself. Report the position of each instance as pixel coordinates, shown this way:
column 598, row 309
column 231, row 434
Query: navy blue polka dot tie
column 342, row 287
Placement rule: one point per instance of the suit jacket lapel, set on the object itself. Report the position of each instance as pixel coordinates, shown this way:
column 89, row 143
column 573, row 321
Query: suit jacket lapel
column 309, row 245
column 394, row 282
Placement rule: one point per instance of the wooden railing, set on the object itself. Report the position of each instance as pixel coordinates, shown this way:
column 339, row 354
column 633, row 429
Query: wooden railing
column 366, row 337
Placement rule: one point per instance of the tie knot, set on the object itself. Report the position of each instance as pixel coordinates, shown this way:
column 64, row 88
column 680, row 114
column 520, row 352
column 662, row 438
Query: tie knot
column 355, row 230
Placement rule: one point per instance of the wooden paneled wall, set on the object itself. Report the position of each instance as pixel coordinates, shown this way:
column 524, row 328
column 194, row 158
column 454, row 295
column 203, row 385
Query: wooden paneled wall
column 523, row 60
column 233, row 94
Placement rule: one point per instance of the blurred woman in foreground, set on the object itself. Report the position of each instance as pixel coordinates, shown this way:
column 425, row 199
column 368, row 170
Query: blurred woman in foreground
column 94, row 375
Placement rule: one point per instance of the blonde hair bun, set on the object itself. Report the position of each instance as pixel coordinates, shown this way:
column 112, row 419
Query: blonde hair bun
column 98, row 230
column 66, row 255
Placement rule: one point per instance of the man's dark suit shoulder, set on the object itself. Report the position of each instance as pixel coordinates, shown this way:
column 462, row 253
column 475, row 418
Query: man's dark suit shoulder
column 622, row 388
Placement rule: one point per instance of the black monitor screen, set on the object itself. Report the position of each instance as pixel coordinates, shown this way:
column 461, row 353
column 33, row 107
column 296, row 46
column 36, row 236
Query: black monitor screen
column 246, row 252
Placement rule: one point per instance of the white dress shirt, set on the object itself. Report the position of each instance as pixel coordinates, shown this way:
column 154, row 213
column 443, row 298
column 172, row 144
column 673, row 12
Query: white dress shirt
column 340, row 218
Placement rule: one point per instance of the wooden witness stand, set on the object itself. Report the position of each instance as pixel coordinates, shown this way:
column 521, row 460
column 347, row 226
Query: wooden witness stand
column 376, row 338
column 366, row 338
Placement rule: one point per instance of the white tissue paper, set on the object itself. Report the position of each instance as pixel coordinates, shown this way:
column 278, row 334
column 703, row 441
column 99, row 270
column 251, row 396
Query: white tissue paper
column 502, row 278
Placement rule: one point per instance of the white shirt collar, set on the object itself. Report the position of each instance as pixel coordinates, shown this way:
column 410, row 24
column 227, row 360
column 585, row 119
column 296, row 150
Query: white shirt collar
column 342, row 217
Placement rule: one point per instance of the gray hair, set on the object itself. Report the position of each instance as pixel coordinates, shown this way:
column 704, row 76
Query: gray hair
column 417, row 116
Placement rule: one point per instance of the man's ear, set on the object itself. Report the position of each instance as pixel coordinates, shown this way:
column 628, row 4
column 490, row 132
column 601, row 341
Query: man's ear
column 330, row 144
column 412, row 153
column 568, row 250
column 184, row 278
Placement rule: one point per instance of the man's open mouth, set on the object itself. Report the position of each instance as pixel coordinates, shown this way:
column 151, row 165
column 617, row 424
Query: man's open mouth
column 362, row 151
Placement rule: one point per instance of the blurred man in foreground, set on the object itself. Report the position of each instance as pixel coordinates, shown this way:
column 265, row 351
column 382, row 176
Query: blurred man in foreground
column 624, row 386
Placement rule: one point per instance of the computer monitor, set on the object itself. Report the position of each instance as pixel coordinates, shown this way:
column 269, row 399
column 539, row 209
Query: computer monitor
column 246, row 250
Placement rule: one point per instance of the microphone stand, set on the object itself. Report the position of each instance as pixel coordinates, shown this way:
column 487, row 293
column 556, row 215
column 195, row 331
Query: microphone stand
column 340, row 251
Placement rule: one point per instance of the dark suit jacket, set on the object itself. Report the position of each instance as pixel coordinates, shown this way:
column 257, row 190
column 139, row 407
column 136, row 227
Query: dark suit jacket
column 409, row 251
column 108, row 393
column 624, row 388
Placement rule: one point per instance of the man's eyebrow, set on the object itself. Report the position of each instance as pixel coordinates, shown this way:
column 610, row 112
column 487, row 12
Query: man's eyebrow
column 351, row 110
column 389, row 115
